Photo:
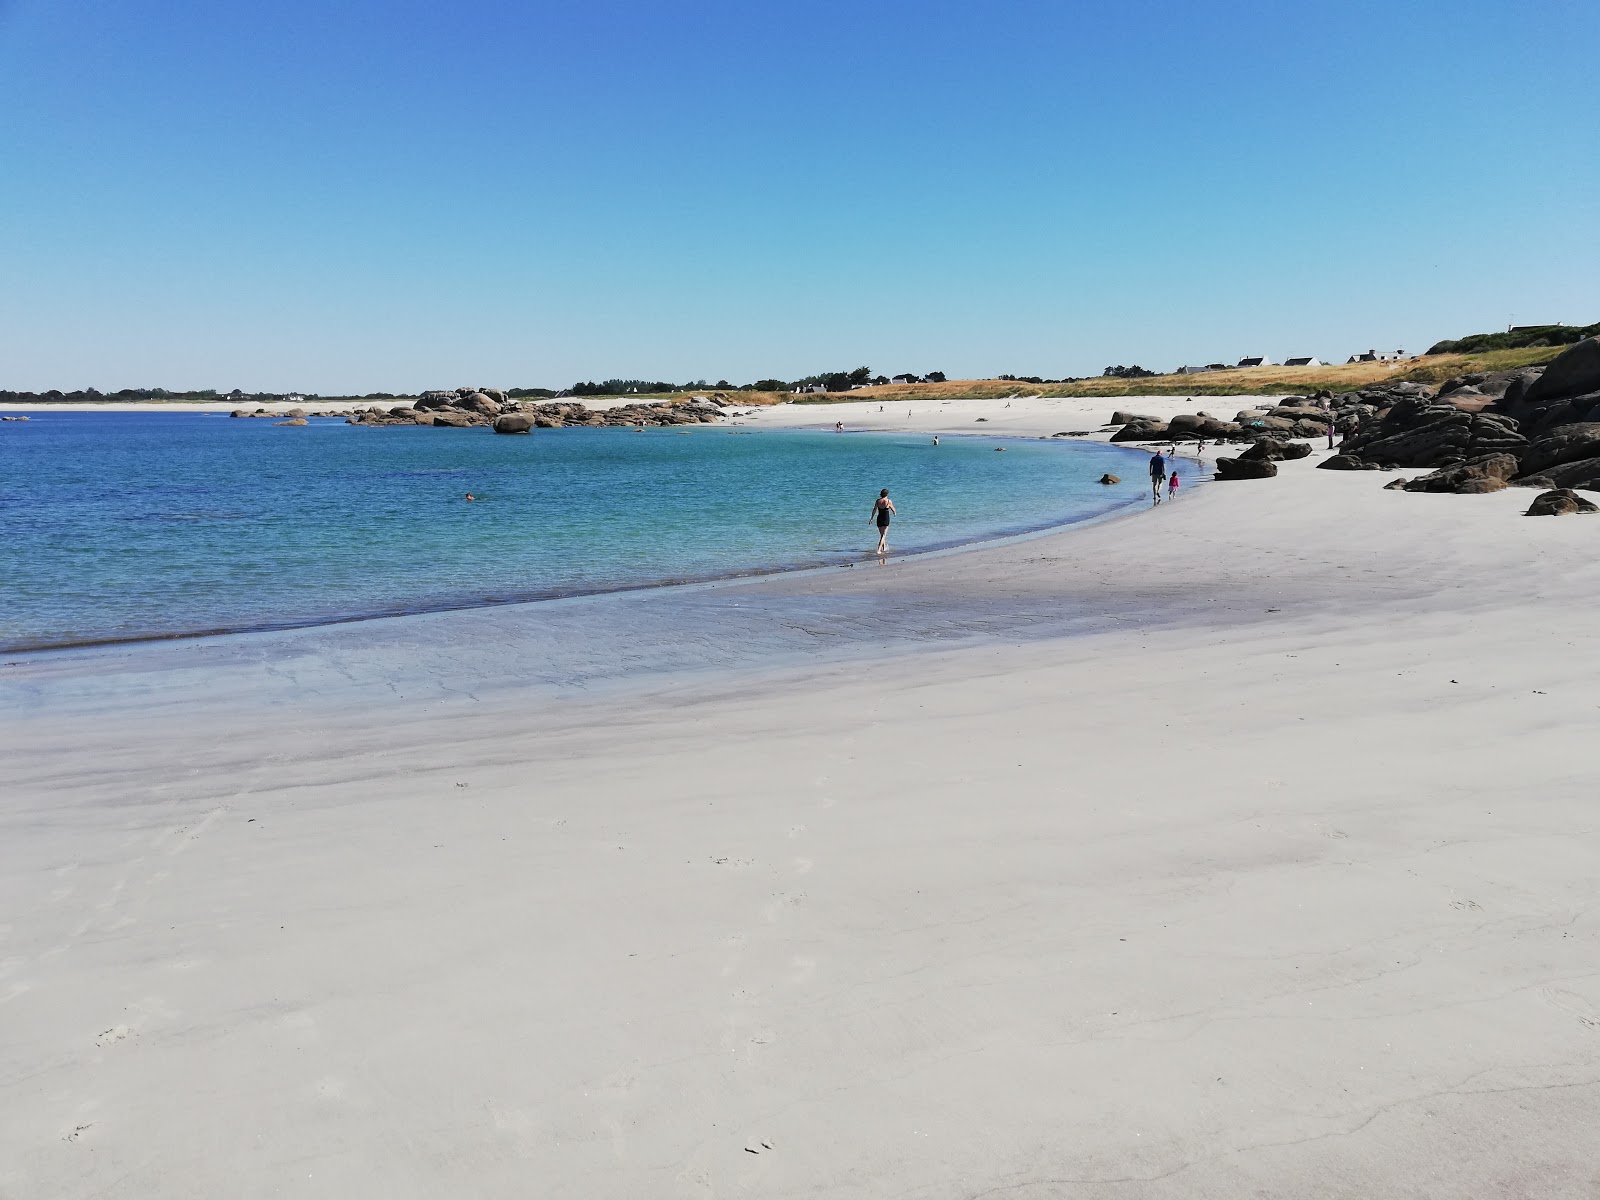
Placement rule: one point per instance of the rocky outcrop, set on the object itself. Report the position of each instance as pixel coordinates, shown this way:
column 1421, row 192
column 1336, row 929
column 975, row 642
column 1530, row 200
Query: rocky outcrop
column 467, row 408
column 1346, row 462
column 1559, row 503
column 1573, row 372
column 1109, row 479
column 1245, row 468
column 1490, row 473
column 1420, row 432
column 1566, row 443
column 481, row 403
column 1585, row 474
column 1270, row 450
column 1146, row 429
column 294, row 421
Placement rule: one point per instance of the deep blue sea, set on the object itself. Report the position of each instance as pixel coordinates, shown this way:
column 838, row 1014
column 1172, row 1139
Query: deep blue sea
column 123, row 526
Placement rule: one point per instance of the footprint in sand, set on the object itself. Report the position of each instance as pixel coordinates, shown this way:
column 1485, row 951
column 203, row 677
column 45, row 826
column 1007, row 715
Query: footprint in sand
column 1570, row 1002
column 779, row 904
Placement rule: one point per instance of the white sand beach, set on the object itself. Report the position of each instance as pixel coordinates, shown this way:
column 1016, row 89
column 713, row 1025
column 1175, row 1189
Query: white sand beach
column 1269, row 870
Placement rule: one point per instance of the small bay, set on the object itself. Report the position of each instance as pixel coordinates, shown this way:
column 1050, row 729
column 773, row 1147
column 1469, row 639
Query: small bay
column 122, row 526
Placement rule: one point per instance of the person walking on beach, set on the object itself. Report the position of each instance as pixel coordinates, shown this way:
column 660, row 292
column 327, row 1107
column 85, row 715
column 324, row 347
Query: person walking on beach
column 838, row 426
column 1158, row 476
column 1172, row 485
column 882, row 510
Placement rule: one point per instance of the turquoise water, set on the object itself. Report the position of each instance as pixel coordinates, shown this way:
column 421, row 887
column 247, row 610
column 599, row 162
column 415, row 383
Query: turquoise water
column 141, row 525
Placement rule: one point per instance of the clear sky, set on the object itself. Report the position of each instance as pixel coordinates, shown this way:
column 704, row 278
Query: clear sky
column 359, row 196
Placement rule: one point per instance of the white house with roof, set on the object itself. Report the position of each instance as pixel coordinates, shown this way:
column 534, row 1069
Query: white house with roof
column 1313, row 361
column 1262, row 361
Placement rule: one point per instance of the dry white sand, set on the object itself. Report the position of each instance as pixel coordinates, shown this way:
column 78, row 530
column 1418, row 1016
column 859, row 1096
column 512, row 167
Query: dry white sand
column 1290, row 894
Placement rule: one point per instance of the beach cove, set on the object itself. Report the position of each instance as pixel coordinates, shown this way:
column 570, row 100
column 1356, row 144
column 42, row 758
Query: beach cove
column 1245, row 845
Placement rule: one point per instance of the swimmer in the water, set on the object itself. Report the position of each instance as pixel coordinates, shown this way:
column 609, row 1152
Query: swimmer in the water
column 470, row 496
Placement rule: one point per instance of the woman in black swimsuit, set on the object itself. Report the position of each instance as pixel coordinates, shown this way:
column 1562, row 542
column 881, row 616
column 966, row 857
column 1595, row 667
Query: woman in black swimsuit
column 882, row 510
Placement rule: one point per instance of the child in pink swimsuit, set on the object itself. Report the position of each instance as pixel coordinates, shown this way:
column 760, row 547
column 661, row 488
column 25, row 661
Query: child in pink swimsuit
column 1172, row 485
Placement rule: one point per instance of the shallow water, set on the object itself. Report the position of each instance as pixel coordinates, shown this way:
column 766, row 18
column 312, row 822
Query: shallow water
column 137, row 525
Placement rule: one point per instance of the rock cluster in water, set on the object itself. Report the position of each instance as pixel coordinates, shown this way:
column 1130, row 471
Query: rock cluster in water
column 466, row 408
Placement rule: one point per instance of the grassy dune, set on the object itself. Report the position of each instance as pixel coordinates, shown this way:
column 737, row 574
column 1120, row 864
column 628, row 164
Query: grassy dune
column 1251, row 381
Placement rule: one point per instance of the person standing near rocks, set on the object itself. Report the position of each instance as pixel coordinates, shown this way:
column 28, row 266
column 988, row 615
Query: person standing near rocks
column 1158, row 476
column 882, row 510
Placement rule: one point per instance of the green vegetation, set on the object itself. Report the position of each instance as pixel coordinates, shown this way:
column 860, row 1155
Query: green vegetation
column 1524, row 337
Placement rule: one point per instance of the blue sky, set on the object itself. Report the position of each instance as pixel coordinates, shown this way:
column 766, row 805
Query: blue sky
column 384, row 196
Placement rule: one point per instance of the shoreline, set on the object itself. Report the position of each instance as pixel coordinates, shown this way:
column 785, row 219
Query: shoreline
column 1001, row 536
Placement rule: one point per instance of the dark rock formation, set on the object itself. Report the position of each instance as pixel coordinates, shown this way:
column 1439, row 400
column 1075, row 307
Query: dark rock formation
column 1560, row 503
column 1346, row 462
column 1110, row 479
column 1585, row 473
column 1275, row 451
column 1566, row 443
column 1417, row 432
column 1490, row 473
column 1245, row 468
column 1141, row 431
column 293, row 421
column 1575, row 371
column 514, row 423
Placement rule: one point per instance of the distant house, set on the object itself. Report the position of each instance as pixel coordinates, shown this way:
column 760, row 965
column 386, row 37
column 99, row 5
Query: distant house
column 1194, row 370
column 1304, row 362
column 1263, row 361
column 1369, row 356
column 907, row 379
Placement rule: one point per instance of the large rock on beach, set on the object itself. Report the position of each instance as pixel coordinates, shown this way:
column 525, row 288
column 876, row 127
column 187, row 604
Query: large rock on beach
column 1584, row 473
column 1271, row 450
column 1417, row 432
column 1141, row 431
column 514, row 423
column 1346, row 462
column 446, row 419
column 1566, row 443
column 1127, row 418
column 1560, row 503
column 1490, row 473
column 1229, row 469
